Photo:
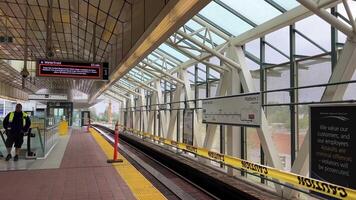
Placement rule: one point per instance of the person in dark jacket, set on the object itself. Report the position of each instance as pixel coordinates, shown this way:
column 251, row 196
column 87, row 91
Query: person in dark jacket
column 16, row 124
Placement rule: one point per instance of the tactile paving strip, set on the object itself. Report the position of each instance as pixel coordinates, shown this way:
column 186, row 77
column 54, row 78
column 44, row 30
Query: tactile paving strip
column 139, row 185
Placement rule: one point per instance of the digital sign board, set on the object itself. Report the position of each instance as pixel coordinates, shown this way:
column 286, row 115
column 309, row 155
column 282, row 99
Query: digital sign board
column 65, row 69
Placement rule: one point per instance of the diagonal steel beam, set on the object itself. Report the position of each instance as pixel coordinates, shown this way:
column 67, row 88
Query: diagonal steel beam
column 214, row 52
column 127, row 89
column 155, row 75
column 143, row 85
column 111, row 90
column 162, row 71
column 332, row 20
column 118, row 92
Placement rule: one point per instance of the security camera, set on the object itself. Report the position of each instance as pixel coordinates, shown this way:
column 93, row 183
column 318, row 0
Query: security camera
column 50, row 54
column 25, row 73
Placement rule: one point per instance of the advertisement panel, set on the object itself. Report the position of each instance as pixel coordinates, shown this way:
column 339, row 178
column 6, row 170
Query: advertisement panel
column 188, row 127
column 332, row 149
column 242, row 110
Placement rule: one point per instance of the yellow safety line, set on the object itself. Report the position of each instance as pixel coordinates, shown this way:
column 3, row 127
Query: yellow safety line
column 139, row 185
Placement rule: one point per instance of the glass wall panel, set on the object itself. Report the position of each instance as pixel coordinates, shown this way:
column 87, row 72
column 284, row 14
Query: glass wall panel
column 278, row 78
column 253, row 148
column 279, row 120
column 313, row 72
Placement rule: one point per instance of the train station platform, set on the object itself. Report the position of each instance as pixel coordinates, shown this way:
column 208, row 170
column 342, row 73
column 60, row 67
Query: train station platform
column 83, row 174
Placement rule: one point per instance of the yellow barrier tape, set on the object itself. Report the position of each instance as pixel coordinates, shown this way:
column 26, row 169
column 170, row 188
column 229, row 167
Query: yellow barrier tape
column 304, row 182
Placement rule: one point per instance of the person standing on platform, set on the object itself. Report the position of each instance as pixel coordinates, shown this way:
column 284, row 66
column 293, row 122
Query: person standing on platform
column 16, row 124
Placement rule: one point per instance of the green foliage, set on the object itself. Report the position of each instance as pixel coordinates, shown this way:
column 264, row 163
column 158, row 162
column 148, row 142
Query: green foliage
column 279, row 114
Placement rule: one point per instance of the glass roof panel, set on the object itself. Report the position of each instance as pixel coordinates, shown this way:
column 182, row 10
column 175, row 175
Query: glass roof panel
column 195, row 26
column 168, row 60
column 225, row 19
column 192, row 24
column 169, row 50
column 159, row 52
column 287, row 4
column 257, row 11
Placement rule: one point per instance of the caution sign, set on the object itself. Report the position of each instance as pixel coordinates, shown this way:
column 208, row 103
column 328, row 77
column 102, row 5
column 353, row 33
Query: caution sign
column 302, row 182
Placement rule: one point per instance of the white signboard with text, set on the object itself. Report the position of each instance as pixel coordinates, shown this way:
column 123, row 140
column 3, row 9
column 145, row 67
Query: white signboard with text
column 242, row 110
column 63, row 97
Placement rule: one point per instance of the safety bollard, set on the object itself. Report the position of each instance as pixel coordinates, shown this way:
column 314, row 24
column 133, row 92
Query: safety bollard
column 116, row 143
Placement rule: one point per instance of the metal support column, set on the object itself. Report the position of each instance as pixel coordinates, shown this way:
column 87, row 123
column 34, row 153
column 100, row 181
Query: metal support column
column 262, row 88
column 334, row 39
column 293, row 95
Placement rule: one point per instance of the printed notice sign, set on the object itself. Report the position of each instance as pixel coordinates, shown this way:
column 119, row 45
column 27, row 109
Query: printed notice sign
column 242, row 110
column 333, row 149
column 188, row 127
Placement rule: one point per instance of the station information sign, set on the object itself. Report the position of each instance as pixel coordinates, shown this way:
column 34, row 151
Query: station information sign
column 240, row 110
column 66, row 69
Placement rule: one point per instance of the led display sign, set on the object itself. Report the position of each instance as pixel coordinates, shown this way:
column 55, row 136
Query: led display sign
column 65, row 69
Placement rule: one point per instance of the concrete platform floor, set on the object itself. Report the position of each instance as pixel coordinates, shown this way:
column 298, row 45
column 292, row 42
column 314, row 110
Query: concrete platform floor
column 83, row 174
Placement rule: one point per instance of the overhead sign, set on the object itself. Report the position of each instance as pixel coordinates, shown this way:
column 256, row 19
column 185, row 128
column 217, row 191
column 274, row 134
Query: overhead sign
column 63, row 69
column 47, row 97
column 333, row 149
column 242, row 110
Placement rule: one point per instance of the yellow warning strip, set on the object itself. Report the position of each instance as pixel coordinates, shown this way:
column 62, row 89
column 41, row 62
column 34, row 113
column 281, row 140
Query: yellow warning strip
column 139, row 185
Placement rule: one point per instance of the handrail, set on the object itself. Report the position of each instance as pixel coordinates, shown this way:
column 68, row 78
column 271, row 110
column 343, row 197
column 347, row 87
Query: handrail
column 52, row 127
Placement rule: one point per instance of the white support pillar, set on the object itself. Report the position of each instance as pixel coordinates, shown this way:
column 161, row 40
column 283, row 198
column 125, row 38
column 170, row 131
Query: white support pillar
column 151, row 114
column 128, row 113
column 177, row 96
column 144, row 112
column 162, row 114
column 343, row 71
column 133, row 112
column 264, row 132
column 233, row 133
column 198, row 126
column 211, row 128
column 122, row 112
